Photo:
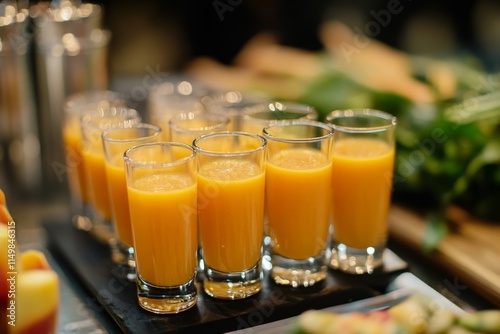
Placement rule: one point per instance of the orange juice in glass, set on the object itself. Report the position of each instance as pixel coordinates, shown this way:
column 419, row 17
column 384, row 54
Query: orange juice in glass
column 76, row 106
column 162, row 193
column 231, row 186
column 289, row 170
column 187, row 126
column 116, row 141
column 257, row 116
column 298, row 200
column 94, row 162
column 363, row 162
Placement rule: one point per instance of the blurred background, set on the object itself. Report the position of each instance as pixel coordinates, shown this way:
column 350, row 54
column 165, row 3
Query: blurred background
column 128, row 46
column 169, row 34
column 145, row 38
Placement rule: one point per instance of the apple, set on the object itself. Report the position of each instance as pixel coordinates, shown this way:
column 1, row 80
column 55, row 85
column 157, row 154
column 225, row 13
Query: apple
column 5, row 216
column 4, row 286
column 6, row 224
column 29, row 288
column 37, row 302
column 2, row 197
column 34, row 259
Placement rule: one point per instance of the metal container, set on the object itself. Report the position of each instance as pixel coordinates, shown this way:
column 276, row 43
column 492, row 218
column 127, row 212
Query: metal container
column 70, row 57
column 20, row 155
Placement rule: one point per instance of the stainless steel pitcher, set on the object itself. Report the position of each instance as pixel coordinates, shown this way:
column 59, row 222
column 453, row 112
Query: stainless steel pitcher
column 70, row 57
column 20, row 154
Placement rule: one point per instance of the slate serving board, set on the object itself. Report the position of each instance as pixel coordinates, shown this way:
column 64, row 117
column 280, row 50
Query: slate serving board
column 110, row 292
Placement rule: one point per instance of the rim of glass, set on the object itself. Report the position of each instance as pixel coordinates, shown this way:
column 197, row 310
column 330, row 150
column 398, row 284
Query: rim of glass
column 229, row 134
column 374, row 113
column 79, row 103
column 92, row 120
column 289, row 106
column 97, row 39
column 157, row 132
column 315, row 124
column 229, row 96
column 147, row 164
column 170, row 85
column 224, row 120
column 232, row 101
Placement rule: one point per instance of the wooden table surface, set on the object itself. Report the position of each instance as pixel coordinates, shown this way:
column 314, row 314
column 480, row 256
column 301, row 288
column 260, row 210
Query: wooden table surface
column 471, row 251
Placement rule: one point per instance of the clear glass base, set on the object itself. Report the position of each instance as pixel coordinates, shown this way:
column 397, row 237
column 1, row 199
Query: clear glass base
column 166, row 300
column 124, row 256
column 233, row 286
column 356, row 260
column 297, row 273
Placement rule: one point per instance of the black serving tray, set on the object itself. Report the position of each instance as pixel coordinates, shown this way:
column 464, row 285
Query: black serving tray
column 110, row 292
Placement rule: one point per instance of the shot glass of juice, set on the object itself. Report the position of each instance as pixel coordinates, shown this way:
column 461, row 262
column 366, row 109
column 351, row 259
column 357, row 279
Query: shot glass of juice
column 92, row 126
column 256, row 117
column 162, row 194
column 363, row 163
column 116, row 141
column 76, row 106
column 298, row 200
column 231, row 182
column 187, row 126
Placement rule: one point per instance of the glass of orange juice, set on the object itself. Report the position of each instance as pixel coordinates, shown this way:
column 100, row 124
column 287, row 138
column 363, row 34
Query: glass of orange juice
column 116, row 141
column 162, row 194
column 363, row 163
column 92, row 126
column 187, row 126
column 298, row 200
column 231, row 182
column 75, row 106
column 256, row 117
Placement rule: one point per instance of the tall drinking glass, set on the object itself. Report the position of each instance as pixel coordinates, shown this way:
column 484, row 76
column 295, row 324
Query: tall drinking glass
column 161, row 186
column 75, row 107
column 298, row 200
column 186, row 127
column 231, row 182
column 116, row 141
column 363, row 163
column 95, row 168
column 261, row 115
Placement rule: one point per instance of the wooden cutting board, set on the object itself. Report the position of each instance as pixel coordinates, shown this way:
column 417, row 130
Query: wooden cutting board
column 471, row 251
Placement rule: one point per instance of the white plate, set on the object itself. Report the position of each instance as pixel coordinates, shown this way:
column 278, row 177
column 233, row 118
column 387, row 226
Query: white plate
column 401, row 288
